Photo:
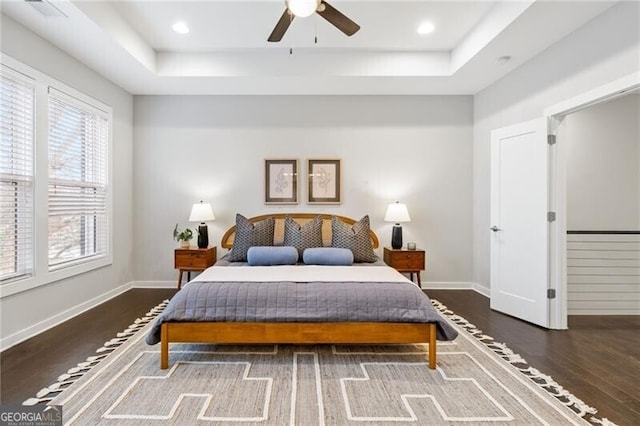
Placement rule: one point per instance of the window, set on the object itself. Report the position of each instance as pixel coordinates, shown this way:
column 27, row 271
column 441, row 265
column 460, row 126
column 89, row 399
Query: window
column 16, row 176
column 55, row 180
column 78, row 146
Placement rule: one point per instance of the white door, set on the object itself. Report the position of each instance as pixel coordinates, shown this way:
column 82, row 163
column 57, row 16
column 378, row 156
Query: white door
column 519, row 239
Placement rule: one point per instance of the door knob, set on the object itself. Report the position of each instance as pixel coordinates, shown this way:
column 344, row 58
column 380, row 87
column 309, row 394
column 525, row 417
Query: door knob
column 495, row 229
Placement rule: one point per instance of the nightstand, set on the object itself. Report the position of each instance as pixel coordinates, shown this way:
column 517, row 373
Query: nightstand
column 193, row 259
column 402, row 260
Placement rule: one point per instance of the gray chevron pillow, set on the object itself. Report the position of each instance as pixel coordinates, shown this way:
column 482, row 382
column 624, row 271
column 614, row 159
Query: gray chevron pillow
column 355, row 238
column 250, row 234
column 302, row 237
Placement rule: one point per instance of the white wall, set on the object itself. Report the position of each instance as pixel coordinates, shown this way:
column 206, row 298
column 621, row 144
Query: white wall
column 603, row 166
column 602, row 51
column 414, row 149
column 29, row 312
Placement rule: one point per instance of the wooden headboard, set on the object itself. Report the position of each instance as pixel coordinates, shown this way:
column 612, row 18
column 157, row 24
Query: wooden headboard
column 301, row 218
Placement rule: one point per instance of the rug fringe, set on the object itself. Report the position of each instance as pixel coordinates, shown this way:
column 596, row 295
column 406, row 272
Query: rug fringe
column 544, row 381
column 48, row 393
column 604, row 421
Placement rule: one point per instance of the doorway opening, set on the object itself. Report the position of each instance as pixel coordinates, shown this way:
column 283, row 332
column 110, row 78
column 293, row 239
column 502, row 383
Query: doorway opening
column 603, row 207
column 558, row 117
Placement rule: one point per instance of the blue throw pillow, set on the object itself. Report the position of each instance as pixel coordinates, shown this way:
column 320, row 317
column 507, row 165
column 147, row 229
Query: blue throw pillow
column 272, row 255
column 327, row 256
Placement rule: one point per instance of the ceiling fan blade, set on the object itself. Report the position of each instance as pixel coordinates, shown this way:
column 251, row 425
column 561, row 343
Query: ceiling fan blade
column 336, row 18
column 281, row 27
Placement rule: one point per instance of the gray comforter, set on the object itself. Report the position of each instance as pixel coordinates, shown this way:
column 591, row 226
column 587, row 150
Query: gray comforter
column 301, row 302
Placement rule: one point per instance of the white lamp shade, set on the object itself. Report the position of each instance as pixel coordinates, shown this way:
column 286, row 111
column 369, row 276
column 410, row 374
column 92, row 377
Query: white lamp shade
column 397, row 212
column 302, row 8
column 201, row 212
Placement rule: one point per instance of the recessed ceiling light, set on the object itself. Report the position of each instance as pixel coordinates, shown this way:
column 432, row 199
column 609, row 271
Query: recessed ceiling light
column 180, row 28
column 426, row 28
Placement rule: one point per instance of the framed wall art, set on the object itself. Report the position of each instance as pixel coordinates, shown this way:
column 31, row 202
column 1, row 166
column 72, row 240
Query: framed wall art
column 324, row 186
column 280, row 181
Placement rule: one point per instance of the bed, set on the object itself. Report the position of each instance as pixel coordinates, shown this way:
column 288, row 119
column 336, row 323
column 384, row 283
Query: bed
column 234, row 302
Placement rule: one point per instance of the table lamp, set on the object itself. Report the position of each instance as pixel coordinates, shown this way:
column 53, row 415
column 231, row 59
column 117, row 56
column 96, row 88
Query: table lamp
column 397, row 212
column 201, row 212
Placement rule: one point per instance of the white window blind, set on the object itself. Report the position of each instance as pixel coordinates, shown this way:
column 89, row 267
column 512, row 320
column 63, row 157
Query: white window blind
column 78, row 168
column 16, row 176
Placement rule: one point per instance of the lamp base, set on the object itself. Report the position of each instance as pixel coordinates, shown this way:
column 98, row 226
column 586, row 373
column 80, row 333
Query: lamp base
column 203, row 236
column 396, row 237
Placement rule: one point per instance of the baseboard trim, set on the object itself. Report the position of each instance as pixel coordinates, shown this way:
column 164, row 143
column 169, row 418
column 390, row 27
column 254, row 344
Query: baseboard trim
column 485, row 291
column 604, row 312
column 435, row 285
column 447, row 285
column 154, row 284
column 35, row 329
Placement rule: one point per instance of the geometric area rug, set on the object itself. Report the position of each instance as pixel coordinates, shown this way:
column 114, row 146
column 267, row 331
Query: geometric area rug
column 478, row 381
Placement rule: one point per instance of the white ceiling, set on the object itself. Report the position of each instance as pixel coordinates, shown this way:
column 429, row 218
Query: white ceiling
column 246, row 25
column 131, row 43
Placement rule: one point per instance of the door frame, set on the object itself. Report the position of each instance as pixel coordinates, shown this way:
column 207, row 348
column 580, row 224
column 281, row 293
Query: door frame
column 558, row 310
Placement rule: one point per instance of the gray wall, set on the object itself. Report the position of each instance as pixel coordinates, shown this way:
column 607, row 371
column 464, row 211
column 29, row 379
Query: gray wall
column 414, row 149
column 604, row 50
column 603, row 166
column 25, row 313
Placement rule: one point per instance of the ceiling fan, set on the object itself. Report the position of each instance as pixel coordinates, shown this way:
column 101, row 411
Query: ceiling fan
column 304, row 8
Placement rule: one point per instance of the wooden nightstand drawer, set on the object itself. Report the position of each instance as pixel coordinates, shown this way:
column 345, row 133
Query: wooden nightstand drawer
column 408, row 260
column 193, row 259
column 412, row 261
column 189, row 258
column 401, row 259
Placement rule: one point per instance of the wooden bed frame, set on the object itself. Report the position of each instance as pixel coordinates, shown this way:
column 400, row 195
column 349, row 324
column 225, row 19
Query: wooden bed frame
column 296, row 333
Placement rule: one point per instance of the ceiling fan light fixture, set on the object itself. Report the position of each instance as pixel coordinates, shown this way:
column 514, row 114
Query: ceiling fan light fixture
column 426, row 27
column 180, row 28
column 302, row 8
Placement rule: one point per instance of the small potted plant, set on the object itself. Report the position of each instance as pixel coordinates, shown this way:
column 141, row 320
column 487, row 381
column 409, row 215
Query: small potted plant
column 183, row 237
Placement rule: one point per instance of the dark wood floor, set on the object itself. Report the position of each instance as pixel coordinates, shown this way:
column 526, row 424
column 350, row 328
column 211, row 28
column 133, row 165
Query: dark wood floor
column 35, row 363
column 598, row 359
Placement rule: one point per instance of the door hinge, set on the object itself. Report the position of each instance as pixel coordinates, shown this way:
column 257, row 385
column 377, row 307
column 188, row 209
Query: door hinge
column 551, row 293
column 551, row 216
column 551, row 139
